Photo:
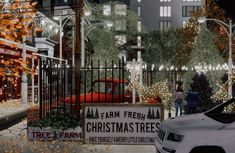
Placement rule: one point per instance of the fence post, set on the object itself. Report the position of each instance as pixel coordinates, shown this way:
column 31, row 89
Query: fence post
column 133, row 74
column 33, row 79
column 123, row 71
column 40, row 88
column 50, row 83
column 99, row 81
column 24, row 84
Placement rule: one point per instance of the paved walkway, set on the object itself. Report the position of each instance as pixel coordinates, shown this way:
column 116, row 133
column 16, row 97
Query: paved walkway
column 15, row 139
column 12, row 106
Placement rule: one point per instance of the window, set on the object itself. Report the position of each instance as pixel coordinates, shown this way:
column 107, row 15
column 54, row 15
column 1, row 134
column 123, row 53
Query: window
column 107, row 10
column 165, row 25
column 120, row 9
column 120, row 25
column 138, row 40
column 120, row 40
column 191, row 0
column 165, row 11
column 139, row 11
column 165, row 0
column 139, row 26
column 188, row 10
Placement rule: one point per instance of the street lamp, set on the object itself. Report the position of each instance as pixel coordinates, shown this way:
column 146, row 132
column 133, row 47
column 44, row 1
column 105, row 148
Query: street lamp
column 61, row 26
column 230, row 36
column 88, row 30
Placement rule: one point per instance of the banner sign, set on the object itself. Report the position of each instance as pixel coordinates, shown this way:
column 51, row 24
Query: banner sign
column 121, row 123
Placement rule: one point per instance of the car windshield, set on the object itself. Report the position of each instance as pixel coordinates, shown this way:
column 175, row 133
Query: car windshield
column 102, row 87
column 116, row 88
column 224, row 113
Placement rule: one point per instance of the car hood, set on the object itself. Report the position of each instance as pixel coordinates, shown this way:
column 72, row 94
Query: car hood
column 191, row 122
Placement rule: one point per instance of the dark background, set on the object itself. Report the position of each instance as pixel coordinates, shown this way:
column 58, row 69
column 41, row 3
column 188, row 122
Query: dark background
column 228, row 6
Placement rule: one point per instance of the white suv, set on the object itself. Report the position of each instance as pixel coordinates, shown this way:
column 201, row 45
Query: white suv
column 209, row 132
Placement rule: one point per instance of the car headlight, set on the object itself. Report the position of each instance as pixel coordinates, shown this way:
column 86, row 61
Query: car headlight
column 175, row 137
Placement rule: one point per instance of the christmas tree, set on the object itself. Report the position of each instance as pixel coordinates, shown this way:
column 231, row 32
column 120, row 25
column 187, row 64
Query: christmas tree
column 205, row 92
column 205, row 59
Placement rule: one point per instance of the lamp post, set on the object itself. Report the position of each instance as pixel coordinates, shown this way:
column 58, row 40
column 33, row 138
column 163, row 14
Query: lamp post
column 61, row 26
column 230, row 36
column 84, row 35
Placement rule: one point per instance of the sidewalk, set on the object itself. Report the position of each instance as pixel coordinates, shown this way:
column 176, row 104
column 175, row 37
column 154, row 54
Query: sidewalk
column 12, row 106
column 15, row 137
column 12, row 112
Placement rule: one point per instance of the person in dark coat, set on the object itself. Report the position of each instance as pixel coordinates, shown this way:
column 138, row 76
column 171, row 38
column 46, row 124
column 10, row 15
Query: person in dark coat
column 192, row 100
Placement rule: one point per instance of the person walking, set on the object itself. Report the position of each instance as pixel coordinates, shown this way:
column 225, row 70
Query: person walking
column 192, row 99
column 179, row 98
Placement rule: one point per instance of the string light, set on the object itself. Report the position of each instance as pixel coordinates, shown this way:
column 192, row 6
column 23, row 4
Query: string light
column 222, row 94
column 200, row 67
column 160, row 89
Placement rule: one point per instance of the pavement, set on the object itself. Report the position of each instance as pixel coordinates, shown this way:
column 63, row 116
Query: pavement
column 14, row 139
column 10, row 106
column 11, row 112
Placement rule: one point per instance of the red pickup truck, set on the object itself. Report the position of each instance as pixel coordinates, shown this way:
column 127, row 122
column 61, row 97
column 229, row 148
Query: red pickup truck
column 107, row 91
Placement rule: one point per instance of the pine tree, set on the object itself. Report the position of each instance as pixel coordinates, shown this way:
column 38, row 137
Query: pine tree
column 205, row 92
column 157, row 115
column 205, row 58
column 96, row 114
column 92, row 114
column 149, row 114
column 188, row 33
column 152, row 114
column 88, row 115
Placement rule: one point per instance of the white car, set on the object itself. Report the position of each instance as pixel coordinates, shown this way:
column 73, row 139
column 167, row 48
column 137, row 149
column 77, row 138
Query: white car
column 209, row 132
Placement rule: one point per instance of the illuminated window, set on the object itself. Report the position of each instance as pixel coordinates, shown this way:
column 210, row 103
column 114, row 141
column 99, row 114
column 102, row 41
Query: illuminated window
column 165, row 0
column 107, row 10
column 191, row 0
column 138, row 40
column 139, row 26
column 165, row 11
column 139, row 11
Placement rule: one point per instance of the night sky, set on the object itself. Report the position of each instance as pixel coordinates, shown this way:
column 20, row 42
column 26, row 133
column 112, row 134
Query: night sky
column 229, row 7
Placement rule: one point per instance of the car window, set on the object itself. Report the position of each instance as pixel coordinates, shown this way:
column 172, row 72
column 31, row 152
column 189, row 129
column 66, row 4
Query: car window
column 119, row 89
column 229, row 109
column 100, row 87
column 224, row 113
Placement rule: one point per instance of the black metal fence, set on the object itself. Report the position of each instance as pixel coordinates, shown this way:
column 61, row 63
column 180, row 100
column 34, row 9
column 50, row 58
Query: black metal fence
column 100, row 82
column 51, row 86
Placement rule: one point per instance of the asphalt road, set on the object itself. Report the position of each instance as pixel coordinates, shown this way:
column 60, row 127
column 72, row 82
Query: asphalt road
column 14, row 140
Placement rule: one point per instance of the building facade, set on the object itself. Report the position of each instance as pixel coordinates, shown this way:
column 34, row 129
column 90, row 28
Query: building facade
column 162, row 14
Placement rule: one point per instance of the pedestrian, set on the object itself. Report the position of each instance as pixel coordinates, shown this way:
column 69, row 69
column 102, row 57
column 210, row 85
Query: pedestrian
column 179, row 98
column 192, row 99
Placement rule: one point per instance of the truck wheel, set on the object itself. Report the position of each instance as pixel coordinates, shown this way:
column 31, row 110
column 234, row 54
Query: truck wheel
column 207, row 149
